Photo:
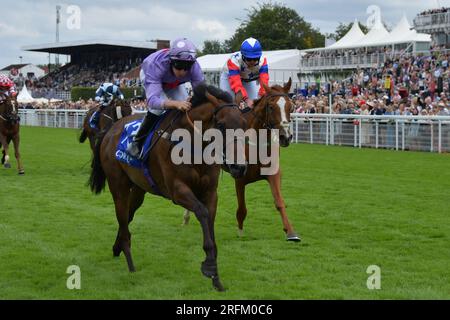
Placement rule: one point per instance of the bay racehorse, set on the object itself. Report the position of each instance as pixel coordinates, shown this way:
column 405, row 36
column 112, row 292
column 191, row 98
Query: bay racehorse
column 10, row 131
column 193, row 187
column 117, row 110
column 272, row 111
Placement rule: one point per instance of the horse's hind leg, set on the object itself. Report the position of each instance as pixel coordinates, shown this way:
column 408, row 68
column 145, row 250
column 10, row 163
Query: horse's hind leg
column 120, row 190
column 136, row 199
column 275, row 186
column 16, row 141
column 5, row 158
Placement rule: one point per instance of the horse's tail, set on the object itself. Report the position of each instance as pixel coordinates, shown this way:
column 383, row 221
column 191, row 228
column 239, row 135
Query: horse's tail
column 98, row 177
column 83, row 136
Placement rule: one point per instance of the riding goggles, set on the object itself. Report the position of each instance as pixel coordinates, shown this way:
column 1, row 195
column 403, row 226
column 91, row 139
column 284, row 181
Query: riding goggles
column 251, row 59
column 182, row 64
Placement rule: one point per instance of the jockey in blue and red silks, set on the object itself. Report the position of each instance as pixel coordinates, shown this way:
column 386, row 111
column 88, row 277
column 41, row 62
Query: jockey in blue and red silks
column 7, row 87
column 244, row 72
column 165, row 74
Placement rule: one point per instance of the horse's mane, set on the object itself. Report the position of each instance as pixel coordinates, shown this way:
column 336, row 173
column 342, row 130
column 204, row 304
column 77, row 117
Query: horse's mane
column 275, row 87
column 200, row 95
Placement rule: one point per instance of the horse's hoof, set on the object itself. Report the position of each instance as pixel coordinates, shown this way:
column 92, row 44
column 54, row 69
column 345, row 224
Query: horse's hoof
column 116, row 251
column 217, row 284
column 293, row 237
column 21, row 173
column 7, row 166
column 209, row 270
column 240, row 233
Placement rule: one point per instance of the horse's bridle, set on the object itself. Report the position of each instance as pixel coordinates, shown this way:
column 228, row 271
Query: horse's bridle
column 221, row 128
column 216, row 111
column 266, row 122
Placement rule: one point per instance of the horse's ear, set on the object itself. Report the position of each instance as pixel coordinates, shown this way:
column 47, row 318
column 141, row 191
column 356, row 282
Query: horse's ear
column 287, row 86
column 212, row 99
column 238, row 98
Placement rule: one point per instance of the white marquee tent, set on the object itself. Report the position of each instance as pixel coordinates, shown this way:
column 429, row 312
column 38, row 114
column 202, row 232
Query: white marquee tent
column 379, row 36
column 353, row 36
column 374, row 36
column 24, row 96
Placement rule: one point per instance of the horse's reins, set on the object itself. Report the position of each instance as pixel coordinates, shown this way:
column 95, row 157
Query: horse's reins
column 216, row 110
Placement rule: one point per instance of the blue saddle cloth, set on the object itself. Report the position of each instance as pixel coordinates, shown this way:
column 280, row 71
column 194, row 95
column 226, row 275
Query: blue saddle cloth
column 129, row 131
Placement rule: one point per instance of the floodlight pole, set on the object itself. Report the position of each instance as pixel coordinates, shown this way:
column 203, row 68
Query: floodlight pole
column 58, row 21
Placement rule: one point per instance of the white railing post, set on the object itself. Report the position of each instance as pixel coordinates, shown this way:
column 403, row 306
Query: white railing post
column 376, row 134
column 440, row 137
column 432, row 137
column 360, row 132
column 396, row 134
column 311, row 131
column 403, row 136
column 332, row 131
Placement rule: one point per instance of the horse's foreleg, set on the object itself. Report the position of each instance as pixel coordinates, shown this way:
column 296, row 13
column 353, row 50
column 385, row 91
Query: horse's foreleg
column 275, row 186
column 16, row 142
column 184, row 196
column 241, row 212
column 210, row 200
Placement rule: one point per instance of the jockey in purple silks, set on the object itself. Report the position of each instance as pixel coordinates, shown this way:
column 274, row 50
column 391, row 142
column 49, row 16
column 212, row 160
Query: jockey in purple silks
column 165, row 74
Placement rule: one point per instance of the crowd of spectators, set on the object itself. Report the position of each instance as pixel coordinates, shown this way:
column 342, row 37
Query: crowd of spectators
column 137, row 104
column 434, row 11
column 417, row 85
column 91, row 74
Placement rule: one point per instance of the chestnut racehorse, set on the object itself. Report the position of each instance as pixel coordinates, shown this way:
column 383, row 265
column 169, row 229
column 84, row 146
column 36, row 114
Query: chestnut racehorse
column 193, row 187
column 117, row 110
column 272, row 111
column 10, row 130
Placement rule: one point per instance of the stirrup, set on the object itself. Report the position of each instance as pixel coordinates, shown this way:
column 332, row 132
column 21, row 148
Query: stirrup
column 134, row 150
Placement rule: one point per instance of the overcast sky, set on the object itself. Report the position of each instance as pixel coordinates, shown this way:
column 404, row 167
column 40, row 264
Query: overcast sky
column 30, row 22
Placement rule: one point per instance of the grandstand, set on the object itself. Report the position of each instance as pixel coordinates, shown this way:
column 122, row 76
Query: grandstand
column 91, row 63
column 358, row 50
column 435, row 22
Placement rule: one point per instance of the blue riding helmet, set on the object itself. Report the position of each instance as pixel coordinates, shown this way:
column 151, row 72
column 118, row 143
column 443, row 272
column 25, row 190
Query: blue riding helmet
column 251, row 48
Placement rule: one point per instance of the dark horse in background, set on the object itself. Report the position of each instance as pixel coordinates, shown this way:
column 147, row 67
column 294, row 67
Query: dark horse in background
column 193, row 187
column 272, row 111
column 10, row 130
column 117, row 110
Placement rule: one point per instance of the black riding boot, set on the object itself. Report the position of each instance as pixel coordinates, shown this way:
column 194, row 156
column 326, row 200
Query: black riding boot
column 147, row 125
column 96, row 116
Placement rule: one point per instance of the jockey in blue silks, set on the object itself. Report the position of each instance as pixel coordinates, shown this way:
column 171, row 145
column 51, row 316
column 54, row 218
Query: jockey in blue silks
column 104, row 95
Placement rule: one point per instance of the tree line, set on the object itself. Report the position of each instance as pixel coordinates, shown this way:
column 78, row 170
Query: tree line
column 277, row 27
